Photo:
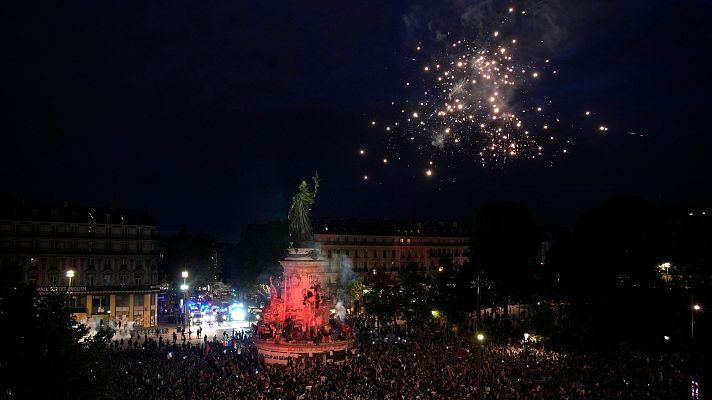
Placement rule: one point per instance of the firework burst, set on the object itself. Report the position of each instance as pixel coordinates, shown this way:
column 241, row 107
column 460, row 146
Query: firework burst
column 482, row 98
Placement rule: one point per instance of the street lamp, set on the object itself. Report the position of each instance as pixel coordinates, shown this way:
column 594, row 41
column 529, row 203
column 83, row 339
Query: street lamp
column 695, row 307
column 184, row 288
column 480, row 363
column 666, row 266
column 70, row 275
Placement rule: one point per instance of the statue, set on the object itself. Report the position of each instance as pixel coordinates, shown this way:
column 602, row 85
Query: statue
column 274, row 311
column 300, row 229
column 272, row 289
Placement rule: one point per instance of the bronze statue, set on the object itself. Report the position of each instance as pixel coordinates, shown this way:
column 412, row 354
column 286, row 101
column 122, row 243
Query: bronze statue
column 274, row 311
column 300, row 229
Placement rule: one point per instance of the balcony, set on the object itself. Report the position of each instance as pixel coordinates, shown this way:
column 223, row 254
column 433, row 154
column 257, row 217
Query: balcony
column 78, row 235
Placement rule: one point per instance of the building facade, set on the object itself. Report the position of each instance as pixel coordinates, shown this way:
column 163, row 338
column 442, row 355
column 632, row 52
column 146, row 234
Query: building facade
column 389, row 247
column 105, row 258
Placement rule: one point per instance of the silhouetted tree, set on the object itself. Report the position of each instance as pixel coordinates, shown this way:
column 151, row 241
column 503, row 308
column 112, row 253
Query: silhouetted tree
column 195, row 253
column 504, row 248
column 417, row 295
column 44, row 357
column 383, row 298
column 616, row 246
column 256, row 256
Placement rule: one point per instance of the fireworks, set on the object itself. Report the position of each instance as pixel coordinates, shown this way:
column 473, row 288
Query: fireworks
column 472, row 97
column 480, row 97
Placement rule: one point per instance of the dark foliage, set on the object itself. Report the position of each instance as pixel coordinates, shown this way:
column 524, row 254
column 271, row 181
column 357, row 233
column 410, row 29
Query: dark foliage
column 44, row 358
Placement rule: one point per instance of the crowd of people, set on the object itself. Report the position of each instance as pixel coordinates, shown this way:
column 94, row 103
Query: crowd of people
column 428, row 364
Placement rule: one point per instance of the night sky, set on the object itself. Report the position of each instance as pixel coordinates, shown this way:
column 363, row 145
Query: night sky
column 208, row 115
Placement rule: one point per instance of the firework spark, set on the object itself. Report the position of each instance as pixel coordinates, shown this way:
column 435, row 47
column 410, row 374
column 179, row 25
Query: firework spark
column 480, row 97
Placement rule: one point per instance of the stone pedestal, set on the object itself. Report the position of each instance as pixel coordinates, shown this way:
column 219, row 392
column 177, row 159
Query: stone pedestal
column 305, row 302
column 303, row 281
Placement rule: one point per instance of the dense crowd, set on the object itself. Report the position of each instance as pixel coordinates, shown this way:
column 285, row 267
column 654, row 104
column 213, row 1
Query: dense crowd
column 428, row 365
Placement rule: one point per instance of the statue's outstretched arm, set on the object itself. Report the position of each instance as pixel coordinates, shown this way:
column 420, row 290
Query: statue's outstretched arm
column 316, row 182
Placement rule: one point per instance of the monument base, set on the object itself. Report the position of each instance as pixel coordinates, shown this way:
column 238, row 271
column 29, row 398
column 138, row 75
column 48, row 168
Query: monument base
column 280, row 353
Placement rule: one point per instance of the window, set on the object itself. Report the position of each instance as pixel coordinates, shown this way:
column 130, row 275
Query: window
column 99, row 304
column 107, row 279
column 384, row 254
column 53, row 279
column 139, row 264
column 122, row 300
column 138, row 278
column 123, row 278
column 90, row 280
column 328, row 253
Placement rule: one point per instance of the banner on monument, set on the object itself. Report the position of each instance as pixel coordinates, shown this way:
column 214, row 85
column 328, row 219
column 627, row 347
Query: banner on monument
column 275, row 357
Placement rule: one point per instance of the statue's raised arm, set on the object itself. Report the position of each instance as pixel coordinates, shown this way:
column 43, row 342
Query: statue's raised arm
column 300, row 229
column 316, row 183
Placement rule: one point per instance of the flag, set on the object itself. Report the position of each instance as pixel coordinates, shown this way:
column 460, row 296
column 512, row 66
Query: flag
column 206, row 349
